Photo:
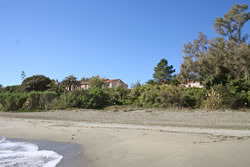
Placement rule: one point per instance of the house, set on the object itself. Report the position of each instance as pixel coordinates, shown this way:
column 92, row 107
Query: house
column 84, row 85
column 192, row 84
column 113, row 83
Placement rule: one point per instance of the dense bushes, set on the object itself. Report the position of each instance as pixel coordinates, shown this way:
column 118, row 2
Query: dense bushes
column 164, row 96
column 12, row 101
column 234, row 94
column 27, row 101
column 92, row 98
column 39, row 100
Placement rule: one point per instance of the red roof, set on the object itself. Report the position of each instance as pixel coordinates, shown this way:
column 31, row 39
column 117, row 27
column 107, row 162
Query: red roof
column 84, row 83
column 108, row 80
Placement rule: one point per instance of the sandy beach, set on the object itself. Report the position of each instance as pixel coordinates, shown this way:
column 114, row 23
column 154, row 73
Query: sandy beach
column 140, row 138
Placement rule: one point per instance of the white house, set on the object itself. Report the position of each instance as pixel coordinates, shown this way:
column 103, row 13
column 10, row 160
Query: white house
column 193, row 84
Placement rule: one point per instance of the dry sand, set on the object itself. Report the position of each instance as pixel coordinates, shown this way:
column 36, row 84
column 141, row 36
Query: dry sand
column 118, row 139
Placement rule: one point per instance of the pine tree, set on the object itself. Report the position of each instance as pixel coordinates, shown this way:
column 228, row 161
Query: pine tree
column 163, row 72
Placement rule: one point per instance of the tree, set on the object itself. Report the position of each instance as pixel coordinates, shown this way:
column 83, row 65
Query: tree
column 23, row 75
column 194, row 54
column 36, row 83
column 135, row 85
column 232, row 23
column 213, row 61
column 163, row 72
column 96, row 81
column 84, row 79
column 70, row 83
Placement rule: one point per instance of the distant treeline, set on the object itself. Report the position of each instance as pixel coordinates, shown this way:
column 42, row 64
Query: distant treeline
column 222, row 65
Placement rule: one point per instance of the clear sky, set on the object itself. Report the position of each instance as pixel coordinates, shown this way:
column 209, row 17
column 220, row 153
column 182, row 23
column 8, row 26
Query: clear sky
column 112, row 38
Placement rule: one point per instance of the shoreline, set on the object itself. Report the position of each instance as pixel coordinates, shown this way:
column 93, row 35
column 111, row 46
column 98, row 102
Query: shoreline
column 72, row 153
column 112, row 144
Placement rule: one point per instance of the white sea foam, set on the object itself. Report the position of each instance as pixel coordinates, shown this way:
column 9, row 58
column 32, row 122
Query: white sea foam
column 24, row 154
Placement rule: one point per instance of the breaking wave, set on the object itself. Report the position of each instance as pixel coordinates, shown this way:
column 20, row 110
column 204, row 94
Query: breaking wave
column 24, row 154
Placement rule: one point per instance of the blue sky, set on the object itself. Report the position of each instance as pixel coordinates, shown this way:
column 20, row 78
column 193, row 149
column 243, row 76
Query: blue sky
column 112, row 38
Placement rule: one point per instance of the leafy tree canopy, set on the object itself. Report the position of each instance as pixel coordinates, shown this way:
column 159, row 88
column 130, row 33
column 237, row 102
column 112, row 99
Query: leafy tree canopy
column 96, row 81
column 213, row 61
column 70, row 83
column 232, row 23
column 36, row 83
column 84, row 79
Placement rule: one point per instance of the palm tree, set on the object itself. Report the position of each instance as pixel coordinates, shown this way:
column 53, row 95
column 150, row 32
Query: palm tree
column 70, row 83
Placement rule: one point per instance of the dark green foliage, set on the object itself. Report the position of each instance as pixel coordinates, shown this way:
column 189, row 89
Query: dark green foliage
column 96, row 82
column 84, row 79
column 55, row 87
column 11, row 89
column 152, row 82
column 12, row 101
column 163, row 72
column 40, row 100
column 164, row 96
column 36, row 83
column 70, row 83
column 75, row 99
column 94, row 98
column 171, row 96
column 149, row 96
column 212, row 61
column 98, row 98
column 119, row 95
column 248, row 97
column 235, row 94
column 232, row 23
column 193, row 97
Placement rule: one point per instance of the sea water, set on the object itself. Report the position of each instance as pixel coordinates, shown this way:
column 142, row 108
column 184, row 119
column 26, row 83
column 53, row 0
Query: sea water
column 24, row 154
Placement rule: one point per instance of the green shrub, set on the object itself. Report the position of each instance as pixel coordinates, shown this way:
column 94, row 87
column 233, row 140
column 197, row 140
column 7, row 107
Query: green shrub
column 233, row 96
column 193, row 97
column 150, row 96
column 68, row 100
column 46, row 100
column 39, row 100
column 92, row 98
column 119, row 95
column 98, row 98
column 11, row 89
column 12, row 101
column 171, row 96
column 248, row 97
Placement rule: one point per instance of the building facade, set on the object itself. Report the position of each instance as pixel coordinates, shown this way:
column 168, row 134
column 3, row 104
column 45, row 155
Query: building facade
column 193, row 84
column 113, row 83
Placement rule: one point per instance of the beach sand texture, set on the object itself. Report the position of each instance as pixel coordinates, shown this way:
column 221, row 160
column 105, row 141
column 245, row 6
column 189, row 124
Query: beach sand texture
column 111, row 141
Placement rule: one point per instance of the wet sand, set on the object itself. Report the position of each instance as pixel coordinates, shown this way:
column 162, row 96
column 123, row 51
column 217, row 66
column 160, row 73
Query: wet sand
column 109, row 143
